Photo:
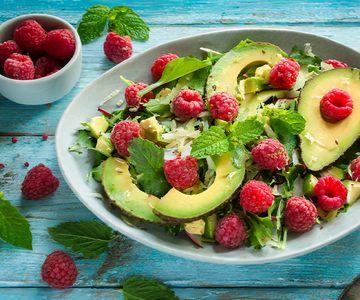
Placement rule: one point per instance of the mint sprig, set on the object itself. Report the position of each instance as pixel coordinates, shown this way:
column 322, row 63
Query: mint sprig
column 120, row 19
column 14, row 228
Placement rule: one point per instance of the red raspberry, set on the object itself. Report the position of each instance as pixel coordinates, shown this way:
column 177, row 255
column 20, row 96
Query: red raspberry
column 223, row 106
column 123, row 134
column 188, row 104
column 2, row 166
column 256, row 197
column 59, row 270
column 8, row 48
column 39, row 182
column 117, row 48
column 300, row 214
column 181, row 173
column 336, row 105
column 46, row 66
column 230, row 231
column 355, row 169
column 60, row 43
column 158, row 65
column 45, row 136
column 331, row 193
column 19, row 67
column 270, row 155
column 14, row 140
column 135, row 101
column 284, row 74
column 335, row 63
column 30, row 36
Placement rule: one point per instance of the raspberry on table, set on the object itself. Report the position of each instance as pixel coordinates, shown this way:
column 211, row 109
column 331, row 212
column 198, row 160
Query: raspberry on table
column 331, row 193
column 355, row 169
column 336, row 105
column 181, row 173
column 230, row 231
column 256, row 197
column 159, row 64
column 223, row 106
column 39, row 182
column 117, row 48
column 283, row 75
column 60, row 43
column 123, row 134
column 20, row 67
column 6, row 49
column 336, row 63
column 59, row 270
column 270, row 154
column 46, row 66
column 14, row 140
column 30, row 36
column 132, row 99
column 300, row 214
column 188, row 104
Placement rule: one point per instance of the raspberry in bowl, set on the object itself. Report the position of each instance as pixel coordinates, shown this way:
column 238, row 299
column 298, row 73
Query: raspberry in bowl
column 24, row 49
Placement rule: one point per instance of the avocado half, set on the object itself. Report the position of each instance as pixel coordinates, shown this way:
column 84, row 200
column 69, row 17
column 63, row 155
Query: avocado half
column 322, row 142
column 178, row 207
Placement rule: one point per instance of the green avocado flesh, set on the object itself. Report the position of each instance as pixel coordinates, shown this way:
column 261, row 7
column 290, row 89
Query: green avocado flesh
column 224, row 74
column 119, row 187
column 323, row 142
column 178, row 207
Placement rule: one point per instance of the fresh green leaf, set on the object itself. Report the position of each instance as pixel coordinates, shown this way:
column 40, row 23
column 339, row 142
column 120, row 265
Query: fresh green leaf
column 90, row 238
column 303, row 59
column 136, row 288
column 124, row 21
column 156, row 107
column 93, row 23
column 148, row 160
column 84, row 141
column 14, row 228
column 196, row 80
column 247, row 131
column 96, row 172
column 210, row 142
column 260, row 231
column 243, row 44
column 175, row 69
column 289, row 143
column 237, row 154
column 174, row 230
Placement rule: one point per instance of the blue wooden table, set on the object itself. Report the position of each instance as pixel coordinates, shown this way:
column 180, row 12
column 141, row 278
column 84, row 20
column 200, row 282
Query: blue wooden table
column 322, row 274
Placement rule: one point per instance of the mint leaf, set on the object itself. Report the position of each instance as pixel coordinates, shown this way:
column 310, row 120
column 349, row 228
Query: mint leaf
column 124, row 21
column 210, row 142
column 14, row 228
column 175, row 69
column 146, row 289
column 93, row 23
column 90, row 238
column 84, row 141
column 237, row 154
column 289, row 143
column 247, row 131
column 148, row 160
column 304, row 59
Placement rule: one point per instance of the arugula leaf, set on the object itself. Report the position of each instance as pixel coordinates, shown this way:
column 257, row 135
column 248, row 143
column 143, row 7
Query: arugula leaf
column 247, row 131
column 260, row 230
column 155, row 106
column 136, row 288
column 14, row 228
column 303, row 59
column 96, row 172
column 175, row 69
column 148, row 160
column 90, row 238
column 124, row 21
column 93, row 23
column 242, row 44
column 210, row 142
column 84, row 141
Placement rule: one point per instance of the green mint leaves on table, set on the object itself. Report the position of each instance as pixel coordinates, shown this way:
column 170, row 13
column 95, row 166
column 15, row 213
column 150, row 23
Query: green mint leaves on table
column 90, row 238
column 120, row 19
column 14, row 228
column 136, row 288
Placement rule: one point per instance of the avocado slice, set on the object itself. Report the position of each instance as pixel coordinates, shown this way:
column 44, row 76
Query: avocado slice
column 353, row 188
column 309, row 183
column 334, row 171
column 152, row 129
column 224, row 74
column 104, row 145
column 322, row 142
column 98, row 125
column 120, row 189
column 181, row 208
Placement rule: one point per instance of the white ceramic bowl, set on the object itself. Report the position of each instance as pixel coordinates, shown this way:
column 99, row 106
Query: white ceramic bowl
column 47, row 89
column 84, row 106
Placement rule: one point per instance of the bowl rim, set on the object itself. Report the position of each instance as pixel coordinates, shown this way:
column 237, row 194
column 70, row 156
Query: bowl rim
column 76, row 54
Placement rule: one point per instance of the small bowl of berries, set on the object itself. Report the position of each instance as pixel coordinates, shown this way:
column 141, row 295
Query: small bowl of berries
column 40, row 59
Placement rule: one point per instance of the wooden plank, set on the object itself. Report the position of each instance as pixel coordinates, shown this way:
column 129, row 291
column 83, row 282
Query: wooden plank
column 18, row 119
column 182, row 293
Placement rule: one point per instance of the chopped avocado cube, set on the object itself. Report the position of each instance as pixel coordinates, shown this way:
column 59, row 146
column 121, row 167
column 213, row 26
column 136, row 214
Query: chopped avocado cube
column 195, row 227
column 309, row 182
column 334, row 171
column 152, row 129
column 353, row 188
column 210, row 224
column 327, row 215
column 98, row 125
column 264, row 73
column 251, row 85
column 104, row 145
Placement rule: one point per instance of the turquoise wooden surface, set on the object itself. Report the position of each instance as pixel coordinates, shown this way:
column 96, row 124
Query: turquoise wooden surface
column 322, row 274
